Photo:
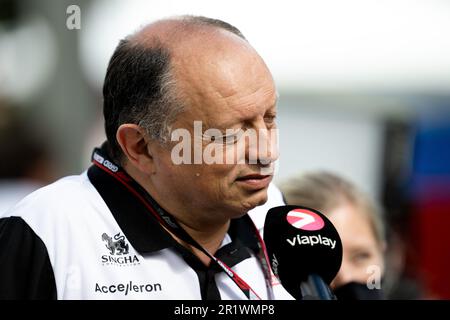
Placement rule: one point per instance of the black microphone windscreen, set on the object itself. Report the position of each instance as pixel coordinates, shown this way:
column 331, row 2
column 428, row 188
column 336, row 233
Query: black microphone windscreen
column 301, row 241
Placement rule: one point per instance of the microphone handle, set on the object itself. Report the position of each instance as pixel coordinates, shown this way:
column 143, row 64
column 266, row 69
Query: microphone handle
column 314, row 288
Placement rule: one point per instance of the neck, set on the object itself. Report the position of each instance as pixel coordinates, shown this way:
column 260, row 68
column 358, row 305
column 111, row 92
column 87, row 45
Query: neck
column 208, row 234
column 209, row 238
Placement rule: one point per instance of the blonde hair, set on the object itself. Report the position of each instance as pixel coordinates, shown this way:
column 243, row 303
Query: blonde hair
column 325, row 191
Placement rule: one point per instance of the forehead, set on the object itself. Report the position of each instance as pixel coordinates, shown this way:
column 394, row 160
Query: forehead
column 242, row 106
column 354, row 226
column 225, row 80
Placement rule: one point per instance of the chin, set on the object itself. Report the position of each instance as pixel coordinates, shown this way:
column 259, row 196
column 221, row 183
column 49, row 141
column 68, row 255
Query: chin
column 255, row 199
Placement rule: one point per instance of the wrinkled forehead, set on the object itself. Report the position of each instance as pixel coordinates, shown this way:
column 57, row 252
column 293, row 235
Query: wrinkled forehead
column 225, row 73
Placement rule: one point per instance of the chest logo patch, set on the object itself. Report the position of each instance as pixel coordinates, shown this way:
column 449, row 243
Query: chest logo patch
column 118, row 252
column 118, row 246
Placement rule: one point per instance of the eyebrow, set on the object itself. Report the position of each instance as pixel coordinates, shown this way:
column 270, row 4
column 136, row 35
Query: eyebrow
column 277, row 98
column 272, row 110
column 360, row 247
column 233, row 123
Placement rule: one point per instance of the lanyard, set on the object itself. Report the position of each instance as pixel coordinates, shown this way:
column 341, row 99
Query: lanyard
column 165, row 219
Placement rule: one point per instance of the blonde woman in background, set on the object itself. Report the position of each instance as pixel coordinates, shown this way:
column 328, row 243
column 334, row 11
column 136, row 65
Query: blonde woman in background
column 360, row 226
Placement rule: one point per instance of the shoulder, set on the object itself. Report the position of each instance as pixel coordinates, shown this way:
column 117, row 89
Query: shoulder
column 56, row 208
column 63, row 193
column 25, row 268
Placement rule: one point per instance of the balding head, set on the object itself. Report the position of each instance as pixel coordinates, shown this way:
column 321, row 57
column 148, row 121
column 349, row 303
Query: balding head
column 174, row 30
column 147, row 67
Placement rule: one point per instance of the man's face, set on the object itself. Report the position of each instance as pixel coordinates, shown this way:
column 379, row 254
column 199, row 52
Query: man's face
column 230, row 92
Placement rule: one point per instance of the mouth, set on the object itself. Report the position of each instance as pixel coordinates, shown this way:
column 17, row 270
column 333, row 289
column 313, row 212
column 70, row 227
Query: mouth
column 255, row 181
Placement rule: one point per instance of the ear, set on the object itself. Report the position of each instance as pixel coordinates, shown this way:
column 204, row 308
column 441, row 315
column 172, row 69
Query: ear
column 133, row 141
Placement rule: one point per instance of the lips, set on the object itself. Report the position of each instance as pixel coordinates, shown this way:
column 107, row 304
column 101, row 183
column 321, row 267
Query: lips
column 253, row 176
column 255, row 181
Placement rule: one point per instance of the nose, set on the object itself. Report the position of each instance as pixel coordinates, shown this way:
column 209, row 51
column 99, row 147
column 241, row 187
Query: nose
column 268, row 151
column 263, row 150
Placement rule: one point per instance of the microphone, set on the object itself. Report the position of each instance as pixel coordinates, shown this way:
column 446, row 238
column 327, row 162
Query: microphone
column 305, row 251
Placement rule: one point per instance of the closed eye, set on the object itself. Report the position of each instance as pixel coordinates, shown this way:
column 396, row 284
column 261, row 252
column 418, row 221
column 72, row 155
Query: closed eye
column 270, row 119
column 233, row 138
column 228, row 138
column 361, row 257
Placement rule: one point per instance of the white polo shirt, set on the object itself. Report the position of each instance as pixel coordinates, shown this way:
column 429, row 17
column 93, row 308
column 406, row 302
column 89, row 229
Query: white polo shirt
column 86, row 237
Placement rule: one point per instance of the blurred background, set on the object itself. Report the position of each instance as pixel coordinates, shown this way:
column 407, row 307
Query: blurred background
column 364, row 92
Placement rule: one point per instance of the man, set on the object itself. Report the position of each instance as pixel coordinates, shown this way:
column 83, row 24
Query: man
column 140, row 223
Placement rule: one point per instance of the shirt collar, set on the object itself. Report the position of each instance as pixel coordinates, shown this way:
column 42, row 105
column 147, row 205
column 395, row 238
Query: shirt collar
column 143, row 231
